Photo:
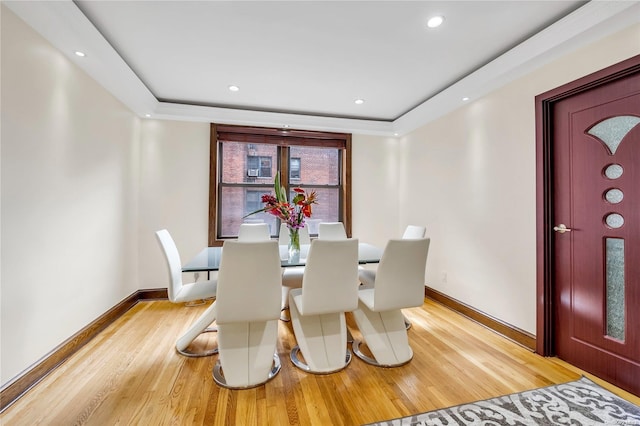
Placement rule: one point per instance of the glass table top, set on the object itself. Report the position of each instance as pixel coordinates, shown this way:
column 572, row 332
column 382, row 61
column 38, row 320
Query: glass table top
column 209, row 258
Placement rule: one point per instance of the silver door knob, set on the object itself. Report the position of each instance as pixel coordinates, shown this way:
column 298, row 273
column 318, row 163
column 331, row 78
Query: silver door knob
column 562, row 228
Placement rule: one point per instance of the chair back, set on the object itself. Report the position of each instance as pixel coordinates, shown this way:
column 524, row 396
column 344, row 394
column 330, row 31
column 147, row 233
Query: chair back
column 331, row 231
column 250, row 232
column 283, row 238
column 249, row 282
column 414, row 232
column 330, row 280
column 400, row 277
column 174, row 264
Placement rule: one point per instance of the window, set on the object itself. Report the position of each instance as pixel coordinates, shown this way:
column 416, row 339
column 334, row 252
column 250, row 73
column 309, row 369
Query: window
column 244, row 161
column 253, row 201
column 258, row 166
column 294, row 168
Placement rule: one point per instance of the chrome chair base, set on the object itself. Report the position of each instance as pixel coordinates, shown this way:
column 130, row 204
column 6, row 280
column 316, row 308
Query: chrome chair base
column 218, row 375
column 304, row 367
column 358, row 352
column 200, row 354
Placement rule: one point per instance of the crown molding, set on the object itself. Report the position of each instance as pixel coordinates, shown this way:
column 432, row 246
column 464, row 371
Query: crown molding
column 65, row 27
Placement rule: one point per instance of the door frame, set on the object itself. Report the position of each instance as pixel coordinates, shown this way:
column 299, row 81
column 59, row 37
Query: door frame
column 544, row 104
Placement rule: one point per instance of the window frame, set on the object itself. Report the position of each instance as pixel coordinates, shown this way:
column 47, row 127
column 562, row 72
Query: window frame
column 284, row 138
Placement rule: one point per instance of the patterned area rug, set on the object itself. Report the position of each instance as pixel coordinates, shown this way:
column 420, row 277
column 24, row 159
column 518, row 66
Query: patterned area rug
column 576, row 403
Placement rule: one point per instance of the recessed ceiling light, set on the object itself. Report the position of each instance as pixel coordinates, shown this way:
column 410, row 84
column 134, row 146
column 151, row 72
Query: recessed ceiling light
column 359, row 101
column 79, row 53
column 234, row 88
column 147, row 115
column 286, row 126
column 465, row 99
column 435, row 21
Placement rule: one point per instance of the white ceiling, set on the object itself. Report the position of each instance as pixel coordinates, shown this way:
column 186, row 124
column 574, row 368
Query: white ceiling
column 303, row 63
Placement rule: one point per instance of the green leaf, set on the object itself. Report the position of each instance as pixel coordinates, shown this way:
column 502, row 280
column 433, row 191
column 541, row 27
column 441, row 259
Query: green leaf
column 257, row 211
column 281, row 195
column 297, row 198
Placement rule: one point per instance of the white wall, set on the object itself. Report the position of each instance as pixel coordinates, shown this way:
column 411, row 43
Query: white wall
column 174, row 194
column 375, row 177
column 470, row 178
column 69, row 198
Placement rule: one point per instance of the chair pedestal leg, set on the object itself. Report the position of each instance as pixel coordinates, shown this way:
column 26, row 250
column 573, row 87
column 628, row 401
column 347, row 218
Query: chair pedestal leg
column 322, row 340
column 218, row 374
column 200, row 326
column 385, row 334
column 245, row 360
column 407, row 323
column 284, row 304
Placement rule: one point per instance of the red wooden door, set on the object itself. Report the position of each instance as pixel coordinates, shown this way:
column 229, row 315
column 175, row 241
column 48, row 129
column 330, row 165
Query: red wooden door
column 596, row 196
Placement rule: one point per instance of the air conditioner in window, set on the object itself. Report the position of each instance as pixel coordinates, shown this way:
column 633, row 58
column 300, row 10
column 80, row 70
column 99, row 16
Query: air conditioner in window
column 253, row 172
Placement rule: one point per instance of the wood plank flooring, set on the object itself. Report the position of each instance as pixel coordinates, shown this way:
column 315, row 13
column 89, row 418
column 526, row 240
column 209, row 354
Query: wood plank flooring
column 130, row 374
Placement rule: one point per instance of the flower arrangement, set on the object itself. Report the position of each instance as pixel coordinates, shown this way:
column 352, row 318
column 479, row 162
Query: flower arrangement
column 292, row 214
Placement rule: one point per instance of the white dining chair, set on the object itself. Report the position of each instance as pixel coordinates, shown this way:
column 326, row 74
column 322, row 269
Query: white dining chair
column 250, row 232
column 368, row 276
column 331, row 231
column 329, row 289
column 399, row 283
column 413, row 232
column 180, row 292
column 248, row 309
column 291, row 276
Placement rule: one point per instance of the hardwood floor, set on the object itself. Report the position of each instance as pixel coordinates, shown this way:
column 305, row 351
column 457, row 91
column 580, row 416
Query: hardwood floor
column 131, row 374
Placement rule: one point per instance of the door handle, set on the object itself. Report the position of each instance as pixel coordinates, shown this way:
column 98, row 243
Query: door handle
column 562, row 228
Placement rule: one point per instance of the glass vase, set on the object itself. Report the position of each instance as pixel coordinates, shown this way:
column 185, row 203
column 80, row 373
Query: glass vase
column 294, row 244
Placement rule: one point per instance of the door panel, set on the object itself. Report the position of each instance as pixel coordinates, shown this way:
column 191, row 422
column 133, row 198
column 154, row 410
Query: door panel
column 596, row 194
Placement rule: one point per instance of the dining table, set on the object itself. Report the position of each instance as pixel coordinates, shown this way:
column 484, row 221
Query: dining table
column 208, row 259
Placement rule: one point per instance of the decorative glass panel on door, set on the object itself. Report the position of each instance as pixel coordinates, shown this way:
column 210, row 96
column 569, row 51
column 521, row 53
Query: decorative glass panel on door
column 615, row 288
column 612, row 130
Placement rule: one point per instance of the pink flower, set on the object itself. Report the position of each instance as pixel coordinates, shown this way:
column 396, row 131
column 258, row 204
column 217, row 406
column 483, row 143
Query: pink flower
column 292, row 214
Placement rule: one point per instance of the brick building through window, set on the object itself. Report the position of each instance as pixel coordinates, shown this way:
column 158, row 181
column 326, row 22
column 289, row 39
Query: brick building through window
column 245, row 161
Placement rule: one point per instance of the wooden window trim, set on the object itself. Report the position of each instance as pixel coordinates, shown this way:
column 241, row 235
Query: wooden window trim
column 282, row 137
